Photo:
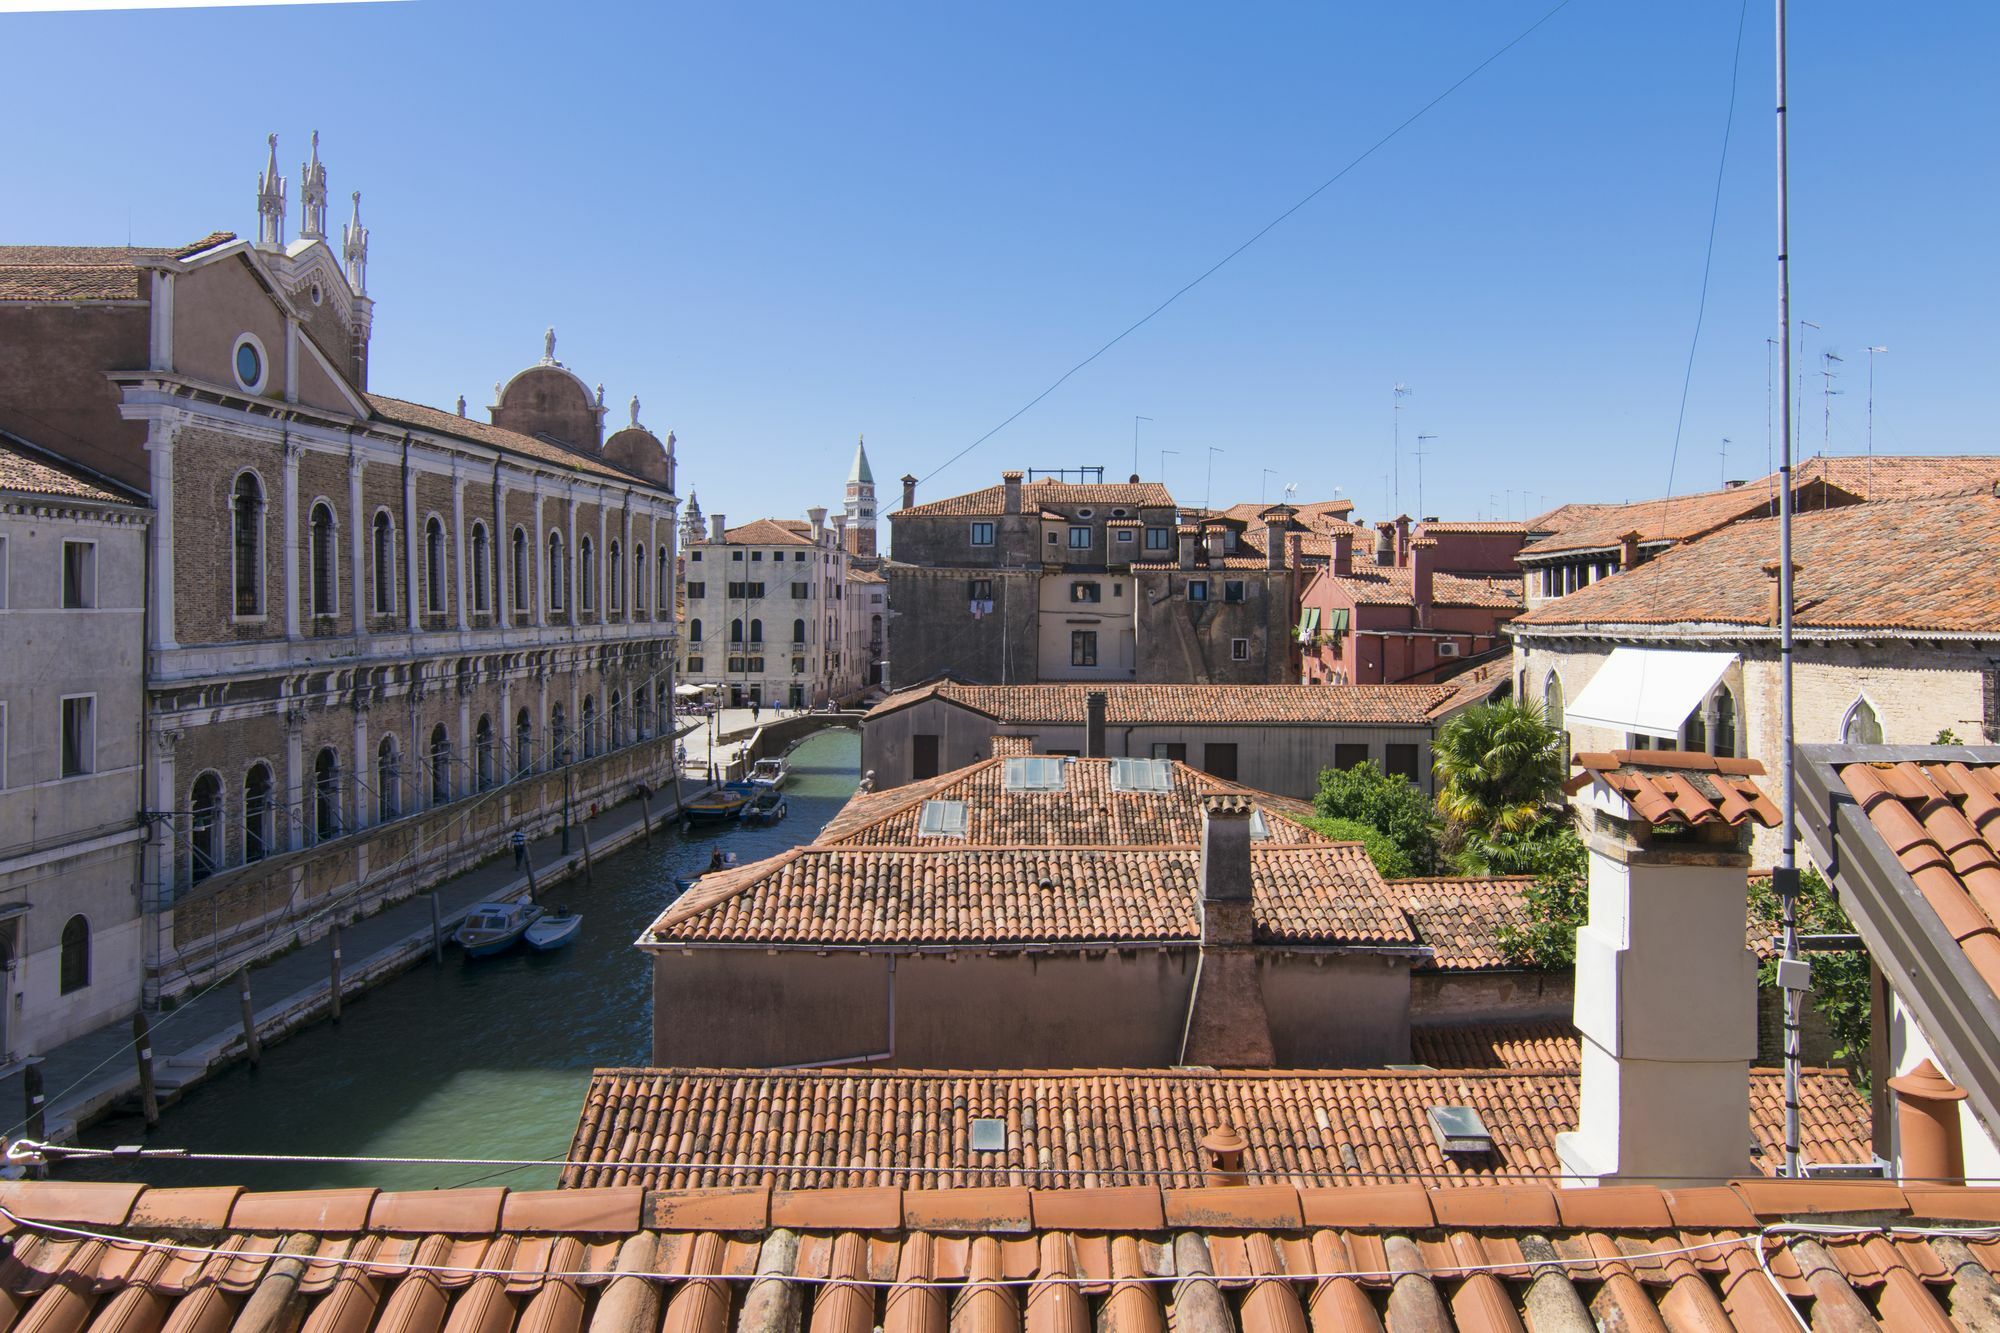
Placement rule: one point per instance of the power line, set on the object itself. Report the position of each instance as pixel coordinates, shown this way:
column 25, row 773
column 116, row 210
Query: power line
column 1258, row 235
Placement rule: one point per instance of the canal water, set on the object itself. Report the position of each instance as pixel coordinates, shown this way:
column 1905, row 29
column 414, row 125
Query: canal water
column 475, row 1059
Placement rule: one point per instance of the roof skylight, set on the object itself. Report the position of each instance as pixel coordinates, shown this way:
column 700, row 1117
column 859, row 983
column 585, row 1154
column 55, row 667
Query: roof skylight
column 1141, row 775
column 1034, row 772
column 942, row 819
column 1460, row 1130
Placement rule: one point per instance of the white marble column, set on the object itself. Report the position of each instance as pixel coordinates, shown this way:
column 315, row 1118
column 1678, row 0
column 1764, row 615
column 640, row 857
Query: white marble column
column 503, row 555
column 361, row 780
column 412, row 570
column 628, row 578
column 297, row 817
column 574, row 565
column 538, row 565
column 603, row 566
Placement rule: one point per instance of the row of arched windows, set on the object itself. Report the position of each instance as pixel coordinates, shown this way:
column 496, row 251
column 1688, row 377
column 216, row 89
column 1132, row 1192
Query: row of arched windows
column 1715, row 726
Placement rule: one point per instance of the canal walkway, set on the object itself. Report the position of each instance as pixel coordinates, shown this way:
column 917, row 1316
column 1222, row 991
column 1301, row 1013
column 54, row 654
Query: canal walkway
column 86, row 1078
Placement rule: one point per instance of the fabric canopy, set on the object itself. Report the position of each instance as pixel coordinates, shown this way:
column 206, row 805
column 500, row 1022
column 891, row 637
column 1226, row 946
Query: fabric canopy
column 1650, row 691
column 691, row 691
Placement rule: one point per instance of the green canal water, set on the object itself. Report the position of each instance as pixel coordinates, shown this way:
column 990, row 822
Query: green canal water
column 475, row 1059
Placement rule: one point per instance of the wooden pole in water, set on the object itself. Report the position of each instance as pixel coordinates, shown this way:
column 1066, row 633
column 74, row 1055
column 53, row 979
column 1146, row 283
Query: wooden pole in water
column 437, row 930
column 646, row 812
column 588, row 878
column 333, row 964
column 528, row 859
column 142, row 1040
column 250, row 1042
column 38, row 1119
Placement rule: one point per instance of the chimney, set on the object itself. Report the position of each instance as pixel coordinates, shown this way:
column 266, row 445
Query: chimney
column 1403, row 540
column 1010, row 485
column 1093, row 725
column 817, row 517
column 1385, row 543
column 840, row 531
column 1423, row 556
column 1274, row 543
column 909, row 490
column 1665, row 989
column 1928, row 1141
column 1187, row 549
column 1628, row 551
column 1295, row 546
column 716, row 527
column 1774, row 604
column 1224, row 1146
column 1227, row 1024
column 1343, row 554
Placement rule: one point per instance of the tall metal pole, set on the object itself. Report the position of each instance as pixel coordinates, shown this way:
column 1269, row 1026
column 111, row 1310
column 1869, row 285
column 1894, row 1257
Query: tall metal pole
column 1787, row 880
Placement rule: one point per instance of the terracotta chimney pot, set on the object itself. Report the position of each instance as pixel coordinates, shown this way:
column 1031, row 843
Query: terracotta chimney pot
column 1628, row 551
column 909, row 490
column 1927, row 1124
column 1225, row 1146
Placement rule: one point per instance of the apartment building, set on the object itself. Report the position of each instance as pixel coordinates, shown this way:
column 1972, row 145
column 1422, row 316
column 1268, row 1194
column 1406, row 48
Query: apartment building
column 769, row 617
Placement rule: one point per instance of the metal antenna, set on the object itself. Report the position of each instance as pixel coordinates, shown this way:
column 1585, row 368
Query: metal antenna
column 1264, row 481
column 1396, row 451
column 1869, row 482
column 1828, row 360
column 1724, row 452
column 1799, row 384
column 1135, row 441
column 1418, row 454
column 1785, row 875
column 1770, row 357
column 1164, row 454
column 1208, row 487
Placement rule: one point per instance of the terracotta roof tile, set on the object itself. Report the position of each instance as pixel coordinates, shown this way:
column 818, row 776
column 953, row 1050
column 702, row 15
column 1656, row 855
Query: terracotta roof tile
column 1391, row 585
column 1498, row 527
column 1085, row 1129
column 1550, row 1045
column 402, row 413
column 26, row 470
column 1460, row 916
column 1680, row 787
column 1134, row 705
column 769, row 532
column 1045, row 493
column 86, row 272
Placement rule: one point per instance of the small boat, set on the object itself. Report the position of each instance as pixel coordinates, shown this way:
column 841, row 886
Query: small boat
column 553, row 931
column 770, row 773
column 724, row 803
column 491, row 928
column 766, row 807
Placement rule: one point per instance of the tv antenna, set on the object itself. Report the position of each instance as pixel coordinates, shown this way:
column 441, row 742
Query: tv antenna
column 1828, row 360
column 1723, row 452
column 1263, row 482
column 1135, row 442
column 1396, row 448
column 1418, row 454
column 1870, row 481
column 1208, row 487
column 1164, row 455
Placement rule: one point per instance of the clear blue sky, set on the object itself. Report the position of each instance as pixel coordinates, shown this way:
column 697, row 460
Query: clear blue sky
column 781, row 224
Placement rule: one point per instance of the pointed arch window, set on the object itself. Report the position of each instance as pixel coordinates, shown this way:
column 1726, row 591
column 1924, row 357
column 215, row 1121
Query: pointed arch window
column 434, row 566
column 325, row 561
column 558, row 575
column 1725, row 724
column 204, row 828
column 1862, row 726
column 385, row 564
column 326, row 794
column 246, row 512
column 482, row 570
column 257, row 786
column 388, row 781
column 74, row 968
column 521, row 570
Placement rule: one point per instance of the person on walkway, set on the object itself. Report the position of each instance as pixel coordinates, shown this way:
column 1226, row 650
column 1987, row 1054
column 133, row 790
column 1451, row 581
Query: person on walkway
column 715, row 859
column 753, row 712
column 519, row 842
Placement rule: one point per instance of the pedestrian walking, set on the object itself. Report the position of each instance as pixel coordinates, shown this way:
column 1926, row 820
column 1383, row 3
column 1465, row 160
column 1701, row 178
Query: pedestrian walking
column 753, row 711
column 519, row 842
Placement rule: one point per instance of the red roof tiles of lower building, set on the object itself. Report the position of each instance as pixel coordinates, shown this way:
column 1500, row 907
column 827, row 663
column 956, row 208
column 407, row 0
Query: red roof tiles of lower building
column 1139, row 705
column 87, row 272
column 1461, row 917
column 26, row 470
column 770, row 532
column 1550, row 1045
column 1680, row 787
column 1393, row 585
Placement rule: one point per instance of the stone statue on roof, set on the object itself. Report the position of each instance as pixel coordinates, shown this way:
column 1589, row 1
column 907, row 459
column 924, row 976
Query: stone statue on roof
column 549, row 345
column 635, row 409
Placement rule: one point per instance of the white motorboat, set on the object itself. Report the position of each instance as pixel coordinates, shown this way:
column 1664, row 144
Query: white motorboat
column 770, row 773
column 553, row 931
column 491, row 928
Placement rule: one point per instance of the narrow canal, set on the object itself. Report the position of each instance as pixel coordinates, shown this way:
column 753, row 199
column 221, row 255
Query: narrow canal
column 475, row 1059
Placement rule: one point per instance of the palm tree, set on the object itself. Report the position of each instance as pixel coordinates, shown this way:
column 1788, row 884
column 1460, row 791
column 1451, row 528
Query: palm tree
column 1499, row 768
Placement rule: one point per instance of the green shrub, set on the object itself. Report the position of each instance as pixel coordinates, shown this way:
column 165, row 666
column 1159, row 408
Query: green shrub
column 1392, row 805
column 1382, row 849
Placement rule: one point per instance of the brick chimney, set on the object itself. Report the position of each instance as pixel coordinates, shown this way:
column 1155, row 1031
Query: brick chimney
column 1093, row 725
column 817, row 517
column 716, row 527
column 1187, row 549
column 1385, row 543
column 1274, row 543
column 1010, row 485
column 1423, row 556
column 1403, row 540
column 1665, row 989
column 1774, row 603
column 1343, row 554
column 1295, row 547
column 1227, row 1024
column 1628, row 551
column 840, row 531
column 909, row 490
column 1929, row 1142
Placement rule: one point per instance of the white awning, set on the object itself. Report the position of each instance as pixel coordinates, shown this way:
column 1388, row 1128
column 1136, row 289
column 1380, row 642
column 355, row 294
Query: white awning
column 693, row 691
column 1650, row 691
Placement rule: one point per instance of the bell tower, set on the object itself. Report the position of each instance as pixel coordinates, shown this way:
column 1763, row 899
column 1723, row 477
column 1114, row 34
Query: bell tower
column 860, row 503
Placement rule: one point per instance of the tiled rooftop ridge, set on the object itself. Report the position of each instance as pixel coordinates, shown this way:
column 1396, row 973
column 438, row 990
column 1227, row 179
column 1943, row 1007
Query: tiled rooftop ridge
column 1136, row 705
column 1679, row 786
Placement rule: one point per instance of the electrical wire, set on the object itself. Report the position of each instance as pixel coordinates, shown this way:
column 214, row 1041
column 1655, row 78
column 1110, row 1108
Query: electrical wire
column 1258, row 235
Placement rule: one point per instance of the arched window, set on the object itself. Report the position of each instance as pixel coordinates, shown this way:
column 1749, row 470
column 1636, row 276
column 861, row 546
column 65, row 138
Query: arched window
column 639, row 578
column 615, row 732
column 694, row 630
column 520, row 569
column 326, row 794
column 735, row 632
column 1694, row 731
column 641, row 712
column 257, row 813
column 586, row 565
column 205, row 828
column 798, row 631
column 1552, row 701
column 388, row 781
column 482, row 752
column 662, row 585
column 756, row 631
column 1862, row 726
column 524, row 744
column 440, row 765
column 589, row 726
column 558, row 579
column 558, row 736
column 325, row 562
column 385, row 564
column 481, row 570
column 614, row 578
column 246, row 514
column 75, row 968
column 1725, row 723
column 434, row 570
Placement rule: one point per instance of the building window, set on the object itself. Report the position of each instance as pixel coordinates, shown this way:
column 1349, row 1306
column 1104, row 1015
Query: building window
column 1218, row 759
column 642, row 712
column 801, row 591
column 434, row 569
column 662, row 585
column 248, row 361
column 694, row 630
column 524, row 744
column 589, row 726
column 1399, row 760
column 385, row 564
column 482, row 752
column 326, row 795
column 204, row 828
column 1725, row 724
column 1158, row 539
column 440, row 765
column 75, row 966
column 1239, row 650
column 694, row 666
column 586, row 564
column 481, row 572
column 756, row 631
column 325, row 561
column 1083, row 647
column 79, row 575
column 1232, row 590
column 1086, row 592
column 79, row 735
column 614, row 578
column 1552, row 701
column 1174, row 750
column 1197, row 590
column 257, row 813
column 1352, row 754
column 697, row 590
column 980, row 590
column 736, row 633
column 520, row 570
column 388, row 781
column 798, row 631
column 246, row 514
column 1694, row 732
column 558, row 579
column 1079, row 539
column 1862, row 726
column 982, row 534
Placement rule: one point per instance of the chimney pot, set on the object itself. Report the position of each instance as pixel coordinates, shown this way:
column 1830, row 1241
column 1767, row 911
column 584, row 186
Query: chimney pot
column 1403, row 539
column 1093, row 725
column 1929, row 1143
column 1423, row 556
column 1010, row 485
column 909, row 490
column 1343, row 555
column 1628, row 551
column 1274, row 543
column 716, row 526
column 1225, row 1147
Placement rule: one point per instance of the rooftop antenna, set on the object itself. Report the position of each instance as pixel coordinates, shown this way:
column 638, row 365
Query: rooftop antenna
column 1164, row 455
column 1291, row 489
column 1828, row 360
column 1770, row 357
column 1135, row 443
column 1208, row 487
column 1869, row 482
column 1799, row 385
column 1396, row 450
column 1785, row 876
column 1264, row 481
column 1418, row 454
column 1724, row 453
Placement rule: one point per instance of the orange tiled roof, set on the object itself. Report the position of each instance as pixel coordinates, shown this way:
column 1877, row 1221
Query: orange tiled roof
column 1258, row 1259
column 1550, row 1045
column 1044, row 493
column 1503, row 528
column 438, row 421
column 1138, row 705
column 25, row 470
column 86, row 272
column 1680, row 787
column 769, row 532
column 1392, row 585
column 1081, row 1129
column 1942, row 821
column 1460, row 916
column 1673, row 518
column 1918, row 565
column 1903, row 476
column 1477, row 685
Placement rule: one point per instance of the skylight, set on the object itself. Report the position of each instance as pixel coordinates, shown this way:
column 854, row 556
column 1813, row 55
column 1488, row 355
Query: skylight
column 1141, row 775
column 942, row 819
column 989, row 1134
column 1035, row 772
column 1260, row 828
column 1460, row 1130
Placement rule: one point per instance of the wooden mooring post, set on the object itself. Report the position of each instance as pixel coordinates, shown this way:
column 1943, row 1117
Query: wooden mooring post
column 333, row 963
column 588, row 878
column 437, row 931
column 37, row 1107
column 251, row 1045
column 142, row 1044
column 646, row 811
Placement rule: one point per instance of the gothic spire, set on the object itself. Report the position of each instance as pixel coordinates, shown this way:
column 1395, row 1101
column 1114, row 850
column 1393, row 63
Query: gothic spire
column 860, row 474
column 312, row 196
column 354, row 248
column 271, row 200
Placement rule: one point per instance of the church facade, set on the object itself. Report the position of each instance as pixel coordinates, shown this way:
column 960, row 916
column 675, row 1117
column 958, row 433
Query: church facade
column 376, row 630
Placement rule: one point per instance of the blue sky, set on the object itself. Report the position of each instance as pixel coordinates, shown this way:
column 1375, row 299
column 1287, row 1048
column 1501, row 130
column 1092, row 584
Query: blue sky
column 784, row 224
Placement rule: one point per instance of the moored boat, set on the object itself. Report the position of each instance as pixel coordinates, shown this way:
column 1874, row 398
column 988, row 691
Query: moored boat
column 766, row 807
column 724, row 803
column 491, row 928
column 554, row 930
column 773, row 772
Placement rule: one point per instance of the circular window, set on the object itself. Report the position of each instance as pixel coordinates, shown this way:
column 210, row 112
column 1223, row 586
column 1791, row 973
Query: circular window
column 248, row 363
column 1117, row 513
column 1085, row 513
column 317, row 293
